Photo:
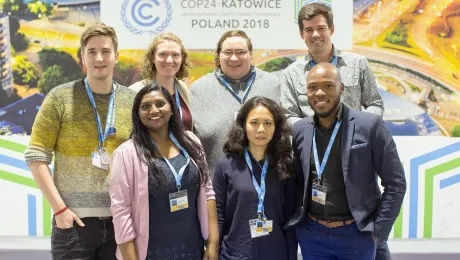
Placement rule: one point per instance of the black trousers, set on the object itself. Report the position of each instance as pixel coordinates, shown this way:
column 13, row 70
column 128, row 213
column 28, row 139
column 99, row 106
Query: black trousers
column 95, row 241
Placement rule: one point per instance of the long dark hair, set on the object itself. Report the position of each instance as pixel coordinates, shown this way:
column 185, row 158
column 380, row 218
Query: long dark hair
column 279, row 149
column 143, row 141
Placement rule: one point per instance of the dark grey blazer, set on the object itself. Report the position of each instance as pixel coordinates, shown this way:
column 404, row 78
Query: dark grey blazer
column 368, row 150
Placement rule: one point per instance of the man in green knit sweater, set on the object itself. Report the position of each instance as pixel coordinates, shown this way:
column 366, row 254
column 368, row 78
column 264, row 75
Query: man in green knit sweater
column 82, row 122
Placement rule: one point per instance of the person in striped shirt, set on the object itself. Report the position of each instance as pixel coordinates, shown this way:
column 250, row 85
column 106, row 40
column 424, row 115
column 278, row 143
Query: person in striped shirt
column 81, row 123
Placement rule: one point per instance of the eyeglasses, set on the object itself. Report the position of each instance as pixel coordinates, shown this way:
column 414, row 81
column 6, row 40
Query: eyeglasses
column 238, row 54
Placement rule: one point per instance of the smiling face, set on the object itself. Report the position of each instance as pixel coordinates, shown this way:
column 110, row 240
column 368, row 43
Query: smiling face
column 323, row 89
column 99, row 57
column 168, row 58
column 317, row 35
column 155, row 111
column 235, row 57
column 259, row 126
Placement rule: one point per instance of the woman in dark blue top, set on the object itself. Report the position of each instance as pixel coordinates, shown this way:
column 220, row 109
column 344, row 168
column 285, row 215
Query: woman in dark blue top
column 175, row 235
column 254, row 186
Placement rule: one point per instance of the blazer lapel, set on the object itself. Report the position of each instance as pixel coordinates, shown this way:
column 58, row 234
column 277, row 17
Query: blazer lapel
column 306, row 151
column 347, row 130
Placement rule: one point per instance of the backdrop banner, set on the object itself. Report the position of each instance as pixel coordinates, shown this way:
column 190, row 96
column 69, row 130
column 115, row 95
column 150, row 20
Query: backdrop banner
column 272, row 24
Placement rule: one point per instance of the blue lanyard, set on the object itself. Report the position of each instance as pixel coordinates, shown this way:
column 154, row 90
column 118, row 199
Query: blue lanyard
column 320, row 167
column 260, row 189
column 177, row 176
column 229, row 87
column 102, row 135
column 179, row 106
column 334, row 61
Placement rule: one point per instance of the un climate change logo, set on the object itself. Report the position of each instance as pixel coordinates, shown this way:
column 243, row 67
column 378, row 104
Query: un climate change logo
column 146, row 16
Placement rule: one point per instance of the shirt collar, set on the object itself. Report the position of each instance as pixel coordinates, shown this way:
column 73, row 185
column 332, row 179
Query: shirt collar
column 338, row 117
column 219, row 73
column 335, row 52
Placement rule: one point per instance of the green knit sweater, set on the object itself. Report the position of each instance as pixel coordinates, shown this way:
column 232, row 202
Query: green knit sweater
column 65, row 125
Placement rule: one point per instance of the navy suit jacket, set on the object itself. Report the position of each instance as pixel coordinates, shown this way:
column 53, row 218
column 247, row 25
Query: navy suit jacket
column 367, row 150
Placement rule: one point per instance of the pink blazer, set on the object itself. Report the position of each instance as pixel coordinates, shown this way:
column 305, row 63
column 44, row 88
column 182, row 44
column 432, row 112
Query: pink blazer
column 129, row 196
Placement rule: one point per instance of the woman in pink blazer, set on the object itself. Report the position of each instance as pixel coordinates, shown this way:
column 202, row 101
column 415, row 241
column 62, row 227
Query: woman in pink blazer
column 163, row 204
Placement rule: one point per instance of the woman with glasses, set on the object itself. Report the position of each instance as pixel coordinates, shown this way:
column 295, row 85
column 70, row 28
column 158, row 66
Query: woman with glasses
column 162, row 200
column 217, row 97
column 166, row 63
column 255, row 186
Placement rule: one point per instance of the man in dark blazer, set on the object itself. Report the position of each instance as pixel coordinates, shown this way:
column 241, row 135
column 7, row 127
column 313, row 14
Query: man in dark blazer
column 340, row 211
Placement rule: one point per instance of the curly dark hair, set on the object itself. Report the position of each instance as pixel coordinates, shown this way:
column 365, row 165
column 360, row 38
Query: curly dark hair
column 279, row 149
column 148, row 68
column 143, row 141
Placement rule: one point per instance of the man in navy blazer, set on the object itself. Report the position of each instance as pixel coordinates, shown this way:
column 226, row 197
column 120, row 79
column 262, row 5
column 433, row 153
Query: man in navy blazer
column 340, row 211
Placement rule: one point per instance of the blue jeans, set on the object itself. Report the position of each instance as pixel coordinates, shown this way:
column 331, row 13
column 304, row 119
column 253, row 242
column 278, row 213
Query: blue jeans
column 318, row 242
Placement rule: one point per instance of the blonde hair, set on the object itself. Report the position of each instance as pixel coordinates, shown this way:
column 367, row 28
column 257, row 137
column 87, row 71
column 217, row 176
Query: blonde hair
column 98, row 29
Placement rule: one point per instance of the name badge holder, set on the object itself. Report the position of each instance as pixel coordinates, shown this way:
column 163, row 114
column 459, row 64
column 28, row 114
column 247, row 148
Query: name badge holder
column 318, row 191
column 260, row 226
column 177, row 200
column 100, row 157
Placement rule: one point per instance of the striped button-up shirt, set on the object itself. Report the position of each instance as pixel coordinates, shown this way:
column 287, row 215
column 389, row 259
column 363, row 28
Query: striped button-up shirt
column 360, row 92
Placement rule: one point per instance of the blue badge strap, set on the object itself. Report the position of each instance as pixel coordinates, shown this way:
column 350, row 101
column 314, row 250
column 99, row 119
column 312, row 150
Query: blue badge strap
column 334, row 61
column 110, row 115
column 112, row 122
column 320, row 167
column 260, row 189
column 177, row 176
column 248, row 86
column 179, row 106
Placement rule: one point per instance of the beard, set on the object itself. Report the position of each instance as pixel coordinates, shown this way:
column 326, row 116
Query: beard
column 335, row 105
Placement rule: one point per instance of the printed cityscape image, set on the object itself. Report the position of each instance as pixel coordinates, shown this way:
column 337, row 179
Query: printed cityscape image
column 412, row 46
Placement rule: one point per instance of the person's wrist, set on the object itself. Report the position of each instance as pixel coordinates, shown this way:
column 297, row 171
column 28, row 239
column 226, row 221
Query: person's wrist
column 61, row 211
column 213, row 245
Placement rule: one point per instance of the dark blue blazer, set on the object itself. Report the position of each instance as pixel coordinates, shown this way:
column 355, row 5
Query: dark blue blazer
column 367, row 150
